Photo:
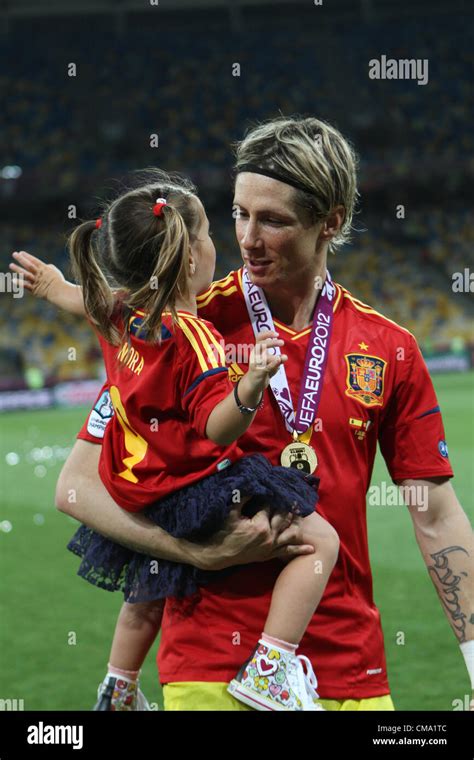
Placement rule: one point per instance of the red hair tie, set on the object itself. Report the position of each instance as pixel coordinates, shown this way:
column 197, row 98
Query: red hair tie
column 98, row 223
column 157, row 208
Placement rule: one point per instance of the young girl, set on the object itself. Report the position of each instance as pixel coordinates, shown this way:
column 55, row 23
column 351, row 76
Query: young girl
column 170, row 448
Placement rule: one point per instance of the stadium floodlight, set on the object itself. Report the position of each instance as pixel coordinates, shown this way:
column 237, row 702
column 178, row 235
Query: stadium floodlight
column 11, row 172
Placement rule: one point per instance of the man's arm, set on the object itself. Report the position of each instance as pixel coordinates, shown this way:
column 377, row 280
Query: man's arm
column 81, row 494
column 445, row 538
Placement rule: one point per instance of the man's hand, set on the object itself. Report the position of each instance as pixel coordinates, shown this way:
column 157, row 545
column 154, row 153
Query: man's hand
column 243, row 540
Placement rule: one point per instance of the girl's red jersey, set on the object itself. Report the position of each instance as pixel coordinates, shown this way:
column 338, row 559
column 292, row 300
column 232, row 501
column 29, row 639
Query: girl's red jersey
column 162, row 395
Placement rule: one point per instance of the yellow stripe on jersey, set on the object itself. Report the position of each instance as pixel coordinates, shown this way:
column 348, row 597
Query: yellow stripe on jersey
column 223, row 283
column 307, row 330
column 366, row 309
column 205, row 352
column 215, row 288
column 217, row 349
column 211, row 296
column 284, row 327
column 301, row 334
column 239, row 278
column 338, row 297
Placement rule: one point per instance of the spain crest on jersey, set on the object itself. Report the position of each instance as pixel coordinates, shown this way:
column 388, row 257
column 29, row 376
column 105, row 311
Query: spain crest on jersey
column 365, row 378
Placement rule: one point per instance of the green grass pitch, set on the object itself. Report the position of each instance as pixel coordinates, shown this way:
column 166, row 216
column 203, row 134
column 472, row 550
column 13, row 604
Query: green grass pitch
column 44, row 605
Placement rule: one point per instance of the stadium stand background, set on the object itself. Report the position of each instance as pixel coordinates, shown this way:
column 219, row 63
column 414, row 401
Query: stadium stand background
column 170, row 73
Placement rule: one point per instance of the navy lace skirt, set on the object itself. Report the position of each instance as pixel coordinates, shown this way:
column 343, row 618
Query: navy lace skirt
column 194, row 513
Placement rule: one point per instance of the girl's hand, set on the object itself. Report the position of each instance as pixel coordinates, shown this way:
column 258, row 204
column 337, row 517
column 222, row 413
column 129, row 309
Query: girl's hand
column 39, row 278
column 263, row 364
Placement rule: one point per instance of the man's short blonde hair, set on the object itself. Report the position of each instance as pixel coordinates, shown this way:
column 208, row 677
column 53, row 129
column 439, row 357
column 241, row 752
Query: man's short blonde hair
column 313, row 155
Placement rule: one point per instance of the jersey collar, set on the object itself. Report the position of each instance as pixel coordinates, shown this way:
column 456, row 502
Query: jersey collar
column 306, row 330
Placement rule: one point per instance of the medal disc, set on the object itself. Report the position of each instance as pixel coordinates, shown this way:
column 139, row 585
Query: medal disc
column 300, row 456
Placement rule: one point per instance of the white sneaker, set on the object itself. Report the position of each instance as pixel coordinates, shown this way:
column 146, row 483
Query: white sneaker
column 304, row 684
column 120, row 695
column 142, row 702
column 273, row 679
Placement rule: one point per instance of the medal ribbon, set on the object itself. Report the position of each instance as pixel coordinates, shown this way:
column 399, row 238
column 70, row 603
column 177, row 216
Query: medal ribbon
column 316, row 355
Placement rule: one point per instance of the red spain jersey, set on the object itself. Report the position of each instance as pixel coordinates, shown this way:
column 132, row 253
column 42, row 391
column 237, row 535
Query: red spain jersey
column 162, row 395
column 376, row 389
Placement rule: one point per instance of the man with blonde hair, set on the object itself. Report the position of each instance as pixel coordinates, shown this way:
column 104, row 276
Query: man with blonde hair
column 353, row 378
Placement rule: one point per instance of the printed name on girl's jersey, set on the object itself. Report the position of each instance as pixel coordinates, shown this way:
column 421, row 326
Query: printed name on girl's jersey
column 131, row 358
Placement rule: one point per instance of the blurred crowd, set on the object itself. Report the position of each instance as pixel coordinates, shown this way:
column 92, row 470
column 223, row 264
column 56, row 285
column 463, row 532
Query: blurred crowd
column 402, row 269
column 196, row 87
column 82, row 107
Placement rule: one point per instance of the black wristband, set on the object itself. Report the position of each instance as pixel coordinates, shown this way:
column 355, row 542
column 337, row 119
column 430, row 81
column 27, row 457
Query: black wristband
column 245, row 409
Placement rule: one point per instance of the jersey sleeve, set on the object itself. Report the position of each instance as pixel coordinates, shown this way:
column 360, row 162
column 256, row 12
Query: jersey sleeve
column 411, row 437
column 203, row 376
column 102, row 412
column 98, row 418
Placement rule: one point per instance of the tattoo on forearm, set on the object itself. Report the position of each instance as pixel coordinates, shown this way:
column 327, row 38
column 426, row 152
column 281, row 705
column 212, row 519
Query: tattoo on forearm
column 448, row 588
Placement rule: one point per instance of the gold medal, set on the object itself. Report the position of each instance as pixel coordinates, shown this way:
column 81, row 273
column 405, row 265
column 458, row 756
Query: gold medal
column 299, row 454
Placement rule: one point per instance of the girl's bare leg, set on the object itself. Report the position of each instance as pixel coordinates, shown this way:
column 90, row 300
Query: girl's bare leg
column 137, row 628
column 300, row 585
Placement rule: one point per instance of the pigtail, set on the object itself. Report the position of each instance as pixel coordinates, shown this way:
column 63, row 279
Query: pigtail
column 169, row 278
column 98, row 295
column 141, row 246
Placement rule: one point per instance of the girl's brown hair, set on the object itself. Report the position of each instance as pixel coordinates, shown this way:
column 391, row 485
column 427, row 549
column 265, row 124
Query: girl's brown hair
column 143, row 256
